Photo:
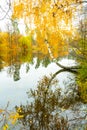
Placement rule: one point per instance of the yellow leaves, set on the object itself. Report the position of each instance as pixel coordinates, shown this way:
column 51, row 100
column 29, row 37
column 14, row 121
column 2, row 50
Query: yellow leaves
column 18, row 109
column 54, row 39
column 44, row 6
column 18, row 9
column 14, row 117
column 50, row 20
column 45, row 13
column 49, row 9
column 43, row 9
column 1, row 110
column 41, row 45
column 36, row 11
column 5, row 127
column 45, row 19
column 25, row 40
column 8, row 117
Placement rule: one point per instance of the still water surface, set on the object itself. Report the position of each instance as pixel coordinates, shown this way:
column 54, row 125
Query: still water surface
column 14, row 92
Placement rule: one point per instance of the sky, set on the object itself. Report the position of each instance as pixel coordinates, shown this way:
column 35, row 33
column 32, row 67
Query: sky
column 5, row 14
column 5, row 23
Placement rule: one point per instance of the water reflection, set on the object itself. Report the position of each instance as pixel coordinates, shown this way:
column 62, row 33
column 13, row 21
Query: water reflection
column 15, row 92
column 44, row 112
column 49, row 109
column 14, row 61
column 16, row 50
column 40, row 115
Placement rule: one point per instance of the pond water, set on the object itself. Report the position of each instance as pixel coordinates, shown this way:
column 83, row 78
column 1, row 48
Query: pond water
column 15, row 84
column 14, row 92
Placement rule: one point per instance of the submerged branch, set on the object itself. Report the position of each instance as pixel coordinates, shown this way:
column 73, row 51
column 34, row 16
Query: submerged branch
column 58, row 72
column 67, row 67
column 54, row 75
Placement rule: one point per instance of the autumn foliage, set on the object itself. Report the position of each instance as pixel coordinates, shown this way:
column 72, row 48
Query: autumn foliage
column 49, row 21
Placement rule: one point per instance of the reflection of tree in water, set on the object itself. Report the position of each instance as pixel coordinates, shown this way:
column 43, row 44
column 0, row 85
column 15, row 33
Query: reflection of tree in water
column 1, row 64
column 43, row 112
column 46, row 109
column 15, row 57
column 16, row 74
column 45, row 61
column 14, row 70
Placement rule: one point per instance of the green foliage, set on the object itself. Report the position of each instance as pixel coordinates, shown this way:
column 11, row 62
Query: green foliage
column 82, row 75
column 79, row 52
column 37, row 63
column 83, row 91
column 46, row 61
column 83, row 71
column 26, row 43
column 82, row 82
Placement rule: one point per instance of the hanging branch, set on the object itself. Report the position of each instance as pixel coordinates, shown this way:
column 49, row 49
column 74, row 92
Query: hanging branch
column 58, row 72
column 58, row 64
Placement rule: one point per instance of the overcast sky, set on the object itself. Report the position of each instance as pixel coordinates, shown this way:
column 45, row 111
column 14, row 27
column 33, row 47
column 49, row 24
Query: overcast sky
column 5, row 14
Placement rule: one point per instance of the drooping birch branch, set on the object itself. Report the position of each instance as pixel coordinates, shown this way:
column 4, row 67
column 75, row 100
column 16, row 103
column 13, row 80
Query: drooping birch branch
column 57, row 63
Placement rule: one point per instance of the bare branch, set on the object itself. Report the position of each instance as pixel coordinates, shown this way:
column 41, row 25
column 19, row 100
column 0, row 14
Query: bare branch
column 4, row 11
column 59, row 71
